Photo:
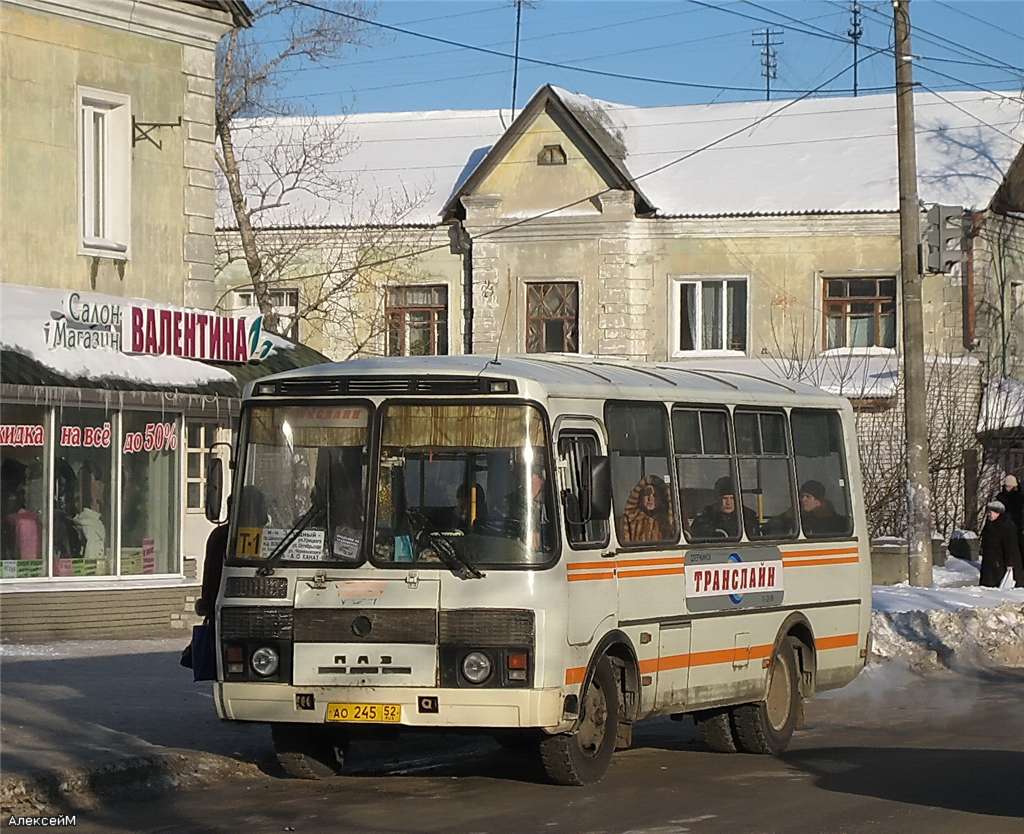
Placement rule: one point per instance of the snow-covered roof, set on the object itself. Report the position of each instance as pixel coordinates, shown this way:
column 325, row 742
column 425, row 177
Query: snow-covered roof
column 1002, row 407
column 819, row 155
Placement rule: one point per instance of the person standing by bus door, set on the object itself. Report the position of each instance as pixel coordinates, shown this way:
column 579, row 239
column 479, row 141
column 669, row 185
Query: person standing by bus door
column 1000, row 548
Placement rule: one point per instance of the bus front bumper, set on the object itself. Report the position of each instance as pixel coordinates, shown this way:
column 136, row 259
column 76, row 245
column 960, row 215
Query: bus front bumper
column 463, row 708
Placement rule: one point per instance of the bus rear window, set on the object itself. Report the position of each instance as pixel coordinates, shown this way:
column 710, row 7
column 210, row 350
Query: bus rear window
column 821, row 472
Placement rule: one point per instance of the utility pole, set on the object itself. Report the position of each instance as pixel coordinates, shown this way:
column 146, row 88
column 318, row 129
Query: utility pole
column 769, row 56
column 919, row 537
column 515, row 65
column 855, row 33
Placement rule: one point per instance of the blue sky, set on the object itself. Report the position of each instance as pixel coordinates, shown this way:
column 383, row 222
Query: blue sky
column 675, row 40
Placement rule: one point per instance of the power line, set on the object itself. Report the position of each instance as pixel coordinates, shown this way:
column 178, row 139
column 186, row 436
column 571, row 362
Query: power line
column 630, row 180
column 984, row 22
column 976, row 118
column 538, row 61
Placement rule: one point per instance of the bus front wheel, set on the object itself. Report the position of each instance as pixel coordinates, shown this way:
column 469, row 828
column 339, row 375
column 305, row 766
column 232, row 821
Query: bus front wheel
column 582, row 757
column 308, row 751
column 767, row 726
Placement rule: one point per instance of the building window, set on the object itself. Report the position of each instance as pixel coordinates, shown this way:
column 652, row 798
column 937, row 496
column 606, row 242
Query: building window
column 417, row 321
column 552, row 317
column 199, row 437
column 24, row 460
column 859, row 313
column 551, row 155
column 149, row 493
column 710, row 315
column 284, row 302
column 105, row 151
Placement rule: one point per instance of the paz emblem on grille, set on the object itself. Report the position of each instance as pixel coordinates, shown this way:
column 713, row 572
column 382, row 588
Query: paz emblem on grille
column 361, row 626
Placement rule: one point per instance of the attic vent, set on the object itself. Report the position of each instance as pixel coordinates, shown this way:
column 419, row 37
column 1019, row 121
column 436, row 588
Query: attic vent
column 551, row 155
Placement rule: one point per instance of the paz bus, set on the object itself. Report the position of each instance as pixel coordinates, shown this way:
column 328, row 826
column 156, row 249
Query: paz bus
column 546, row 549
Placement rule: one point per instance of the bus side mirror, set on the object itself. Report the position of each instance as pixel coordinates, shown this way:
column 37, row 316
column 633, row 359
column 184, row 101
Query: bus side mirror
column 214, row 488
column 597, row 489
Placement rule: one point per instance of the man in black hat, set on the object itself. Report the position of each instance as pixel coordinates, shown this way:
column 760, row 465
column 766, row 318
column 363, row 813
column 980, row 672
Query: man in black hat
column 1000, row 549
column 721, row 520
column 817, row 513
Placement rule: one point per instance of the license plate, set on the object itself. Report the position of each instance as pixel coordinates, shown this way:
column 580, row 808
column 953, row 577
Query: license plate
column 368, row 713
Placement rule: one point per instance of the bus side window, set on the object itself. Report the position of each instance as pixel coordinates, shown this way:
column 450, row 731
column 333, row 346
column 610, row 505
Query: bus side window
column 577, row 450
column 643, row 489
column 766, row 479
column 821, row 472
column 705, row 474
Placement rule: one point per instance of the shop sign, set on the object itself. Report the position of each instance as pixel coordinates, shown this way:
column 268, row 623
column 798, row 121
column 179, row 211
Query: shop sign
column 21, row 435
column 154, row 330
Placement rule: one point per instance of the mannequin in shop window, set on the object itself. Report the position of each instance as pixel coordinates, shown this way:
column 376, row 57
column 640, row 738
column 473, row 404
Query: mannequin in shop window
column 68, row 539
column 90, row 517
column 22, row 530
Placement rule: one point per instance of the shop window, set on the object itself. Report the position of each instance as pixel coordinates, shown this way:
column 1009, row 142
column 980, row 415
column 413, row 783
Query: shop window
column 552, row 317
column 710, row 315
column 859, row 312
column 198, row 439
column 105, row 156
column 149, row 493
column 83, row 471
column 285, row 304
column 707, row 478
column 821, row 473
column 766, row 480
column 23, row 465
column 642, row 488
column 417, row 320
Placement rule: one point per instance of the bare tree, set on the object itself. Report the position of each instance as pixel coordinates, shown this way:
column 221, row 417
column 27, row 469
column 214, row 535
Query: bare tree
column 301, row 221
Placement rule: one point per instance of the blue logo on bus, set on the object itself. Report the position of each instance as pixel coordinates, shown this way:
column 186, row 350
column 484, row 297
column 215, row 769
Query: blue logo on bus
column 735, row 599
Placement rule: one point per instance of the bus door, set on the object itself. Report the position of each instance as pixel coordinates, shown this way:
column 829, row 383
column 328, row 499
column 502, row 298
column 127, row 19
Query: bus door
column 589, row 559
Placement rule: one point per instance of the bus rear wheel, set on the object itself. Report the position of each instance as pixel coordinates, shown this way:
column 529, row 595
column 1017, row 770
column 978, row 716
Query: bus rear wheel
column 582, row 757
column 767, row 726
column 308, row 751
column 715, row 729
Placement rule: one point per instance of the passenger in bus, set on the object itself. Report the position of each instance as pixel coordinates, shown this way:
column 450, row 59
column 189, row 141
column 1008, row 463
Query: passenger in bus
column 722, row 520
column 647, row 517
column 817, row 513
column 531, row 504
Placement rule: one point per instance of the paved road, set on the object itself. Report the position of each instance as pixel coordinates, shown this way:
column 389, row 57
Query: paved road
column 887, row 754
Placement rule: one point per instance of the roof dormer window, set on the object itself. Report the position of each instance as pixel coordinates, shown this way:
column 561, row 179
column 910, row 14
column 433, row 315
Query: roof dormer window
column 551, row 155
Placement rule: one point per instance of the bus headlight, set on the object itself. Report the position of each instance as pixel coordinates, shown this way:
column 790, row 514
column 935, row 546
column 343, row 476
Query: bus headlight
column 264, row 661
column 476, row 667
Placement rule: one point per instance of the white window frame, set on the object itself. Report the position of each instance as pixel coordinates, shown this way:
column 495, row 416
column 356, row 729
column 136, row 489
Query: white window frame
column 113, row 239
column 204, row 455
column 678, row 282
column 245, row 303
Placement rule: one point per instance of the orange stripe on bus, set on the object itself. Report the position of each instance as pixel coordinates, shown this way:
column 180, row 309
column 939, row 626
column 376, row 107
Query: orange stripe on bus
column 715, row 656
column 586, row 577
column 810, row 563
column 827, row 551
column 672, row 560
column 626, row 574
column 604, row 565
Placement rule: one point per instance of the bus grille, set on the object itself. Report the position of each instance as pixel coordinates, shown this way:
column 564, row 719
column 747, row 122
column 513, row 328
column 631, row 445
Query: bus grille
column 256, row 587
column 487, row 627
column 368, row 386
column 366, row 625
column 262, row 623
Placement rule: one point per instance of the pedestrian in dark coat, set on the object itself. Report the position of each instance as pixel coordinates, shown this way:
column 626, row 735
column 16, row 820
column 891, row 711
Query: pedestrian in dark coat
column 1013, row 499
column 1000, row 548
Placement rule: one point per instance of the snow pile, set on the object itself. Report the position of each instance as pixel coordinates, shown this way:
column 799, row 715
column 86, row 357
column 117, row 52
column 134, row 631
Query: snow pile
column 948, row 626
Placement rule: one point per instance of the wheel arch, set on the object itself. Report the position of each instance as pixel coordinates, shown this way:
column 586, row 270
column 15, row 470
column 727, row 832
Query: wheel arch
column 797, row 626
column 617, row 645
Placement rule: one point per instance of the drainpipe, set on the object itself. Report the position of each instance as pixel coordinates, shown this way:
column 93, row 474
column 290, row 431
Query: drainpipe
column 973, row 223
column 460, row 243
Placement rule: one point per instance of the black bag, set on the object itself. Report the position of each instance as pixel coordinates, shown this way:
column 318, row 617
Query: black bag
column 201, row 654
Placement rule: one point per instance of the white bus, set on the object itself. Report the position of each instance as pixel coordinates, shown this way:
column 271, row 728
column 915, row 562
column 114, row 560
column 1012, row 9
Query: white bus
column 545, row 549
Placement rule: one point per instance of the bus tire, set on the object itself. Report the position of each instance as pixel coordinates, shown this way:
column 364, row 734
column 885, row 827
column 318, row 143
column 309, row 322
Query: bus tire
column 715, row 729
column 582, row 757
column 767, row 726
column 307, row 751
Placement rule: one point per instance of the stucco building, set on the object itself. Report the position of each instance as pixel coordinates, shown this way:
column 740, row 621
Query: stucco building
column 116, row 374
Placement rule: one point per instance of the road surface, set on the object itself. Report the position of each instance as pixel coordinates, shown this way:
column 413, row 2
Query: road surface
column 890, row 753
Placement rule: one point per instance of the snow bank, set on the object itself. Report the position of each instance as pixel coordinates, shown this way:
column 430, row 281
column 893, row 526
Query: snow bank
column 949, row 625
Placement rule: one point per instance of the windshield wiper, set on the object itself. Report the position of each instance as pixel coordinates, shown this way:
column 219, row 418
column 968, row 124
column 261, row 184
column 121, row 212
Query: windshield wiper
column 449, row 556
column 311, row 515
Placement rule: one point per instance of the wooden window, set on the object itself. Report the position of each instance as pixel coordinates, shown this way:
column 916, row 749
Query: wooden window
column 551, row 155
column 417, row 320
column 859, row 312
column 552, row 317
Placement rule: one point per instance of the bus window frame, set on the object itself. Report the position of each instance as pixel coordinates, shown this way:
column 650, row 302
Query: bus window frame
column 794, row 497
column 731, row 456
column 238, row 477
column 373, row 486
column 847, row 493
column 575, row 431
column 673, row 544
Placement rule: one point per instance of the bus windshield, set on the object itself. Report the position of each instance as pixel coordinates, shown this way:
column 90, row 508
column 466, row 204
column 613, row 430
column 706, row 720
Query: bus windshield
column 470, row 478
column 304, row 479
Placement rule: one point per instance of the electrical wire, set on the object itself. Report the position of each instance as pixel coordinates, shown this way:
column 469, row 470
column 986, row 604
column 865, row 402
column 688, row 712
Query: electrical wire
column 984, row 22
column 978, row 119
